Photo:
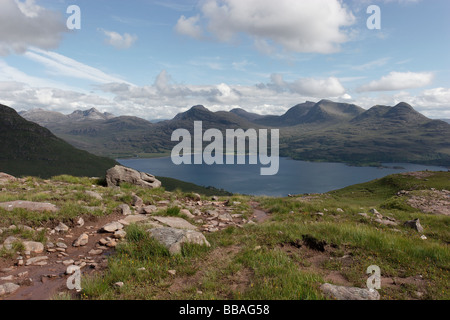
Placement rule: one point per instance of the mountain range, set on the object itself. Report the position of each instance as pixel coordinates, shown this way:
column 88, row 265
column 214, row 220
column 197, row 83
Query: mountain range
column 29, row 149
column 322, row 131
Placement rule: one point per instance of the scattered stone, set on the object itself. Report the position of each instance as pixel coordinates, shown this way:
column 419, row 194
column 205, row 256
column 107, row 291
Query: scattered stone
column 120, row 234
column 319, row 214
column 119, row 284
column 8, row 288
column 95, row 252
column 340, row 210
column 37, row 261
column 29, row 205
column 80, row 222
column 172, row 272
column 68, row 262
column 149, row 209
column 94, row 195
column 349, row 293
column 423, row 237
column 61, row 227
column 212, row 213
column 175, row 222
column 137, row 201
column 133, row 219
column 376, row 213
column 215, row 198
column 33, row 247
column 119, row 174
column 173, row 238
column 187, row 213
column 61, row 245
column 8, row 243
column 414, row 224
column 196, row 197
column 123, row 209
column 7, row 278
column 225, row 217
column 386, row 222
column 112, row 227
column 82, row 240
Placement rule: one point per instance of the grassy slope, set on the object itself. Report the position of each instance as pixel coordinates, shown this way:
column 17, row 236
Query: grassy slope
column 28, row 149
column 262, row 261
column 253, row 263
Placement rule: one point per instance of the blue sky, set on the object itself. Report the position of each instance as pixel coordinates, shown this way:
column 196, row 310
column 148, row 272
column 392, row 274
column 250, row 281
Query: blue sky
column 155, row 58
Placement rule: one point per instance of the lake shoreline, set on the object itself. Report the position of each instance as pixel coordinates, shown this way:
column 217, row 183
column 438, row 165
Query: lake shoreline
column 294, row 177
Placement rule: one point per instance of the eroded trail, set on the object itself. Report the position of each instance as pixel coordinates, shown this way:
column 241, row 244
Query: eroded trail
column 47, row 277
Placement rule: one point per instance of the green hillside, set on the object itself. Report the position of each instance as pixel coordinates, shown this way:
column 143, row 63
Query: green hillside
column 29, row 149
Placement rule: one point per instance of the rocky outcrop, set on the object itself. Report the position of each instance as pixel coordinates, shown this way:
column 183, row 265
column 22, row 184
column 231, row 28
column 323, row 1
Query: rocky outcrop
column 119, row 174
column 6, row 178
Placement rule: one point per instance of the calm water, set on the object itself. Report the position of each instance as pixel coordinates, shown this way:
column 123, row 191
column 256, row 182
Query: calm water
column 294, row 177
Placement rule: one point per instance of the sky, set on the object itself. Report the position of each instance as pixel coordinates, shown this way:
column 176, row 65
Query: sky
column 154, row 58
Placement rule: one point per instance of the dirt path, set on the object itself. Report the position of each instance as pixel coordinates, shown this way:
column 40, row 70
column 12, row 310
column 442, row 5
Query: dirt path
column 44, row 282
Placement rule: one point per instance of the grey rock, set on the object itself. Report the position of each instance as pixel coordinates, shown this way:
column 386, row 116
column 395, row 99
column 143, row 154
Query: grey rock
column 5, row 178
column 175, row 222
column 173, row 239
column 149, row 209
column 124, row 209
column 133, row 219
column 137, row 202
column 119, row 174
column 94, row 195
column 61, row 227
column 33, row 246
column 112, row 227
column 376, row 213
column 37, row 261
column 81, row 241
column 29, row 205
column 80, row 222
column 348, row 293
column 187, row 213
column 386, row 222
column 9, row 242
column 8, row 288
column 414, row 224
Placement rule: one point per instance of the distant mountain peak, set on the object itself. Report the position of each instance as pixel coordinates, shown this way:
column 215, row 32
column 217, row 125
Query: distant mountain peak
column 91, row 114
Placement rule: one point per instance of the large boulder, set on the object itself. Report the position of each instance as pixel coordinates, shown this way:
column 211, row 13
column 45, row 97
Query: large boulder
column 173, row 239
column 119, row 174
column 6, row 178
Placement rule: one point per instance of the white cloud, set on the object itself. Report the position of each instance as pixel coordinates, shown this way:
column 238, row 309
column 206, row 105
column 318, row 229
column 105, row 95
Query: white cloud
column 165, row 98
column 371, row 64
column 311, row 87
column 188, row 27
column 118, row 40
column 24, row 24
column 399, row 81
column 59, row 64
column 297, row 26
